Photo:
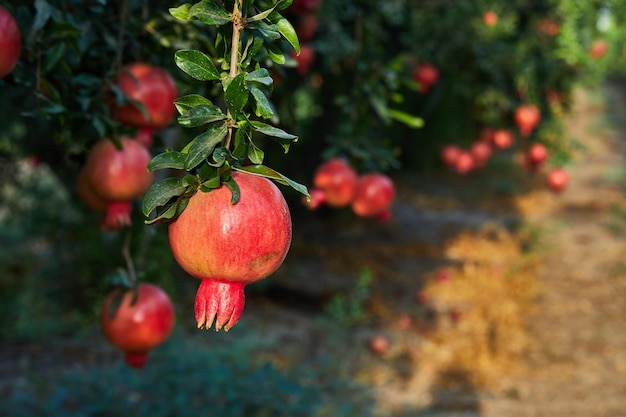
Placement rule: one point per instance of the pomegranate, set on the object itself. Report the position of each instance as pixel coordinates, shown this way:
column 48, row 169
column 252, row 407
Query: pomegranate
column 337, row 180
column 537, row 154
column 10, row 42
column 304, row 59
column 379, row 345
column 502, row 138
column 318, row 197
column 374, row 194
column 598, row 49
column 486, row 134
column 305, row 6
column 464, row 163
column 490, row 18
column 481, row 152
column 141, row 321
column 557, row 179
column 527, row 117
column 144, row 136
column 151, row 86
column 449, row 155
column 118, row 176
column 88, row 195
column 229, row 246
column 307, row 27
column 426, row 75
column 548, row 27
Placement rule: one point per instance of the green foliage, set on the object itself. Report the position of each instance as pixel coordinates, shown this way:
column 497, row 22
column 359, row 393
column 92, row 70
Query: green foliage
column 351, row 308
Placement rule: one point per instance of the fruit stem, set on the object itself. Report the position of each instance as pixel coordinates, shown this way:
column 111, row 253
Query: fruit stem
column 130, row 265
column 238, row 25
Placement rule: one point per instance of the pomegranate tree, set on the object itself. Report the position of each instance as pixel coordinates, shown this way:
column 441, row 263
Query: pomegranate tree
column 117, row 176
column 427, row 75
column 153, row 88
column 374, row 195
column 10, row 42
column 137, row 320
column 229, row 246
column 527, row 117
column 337, row 180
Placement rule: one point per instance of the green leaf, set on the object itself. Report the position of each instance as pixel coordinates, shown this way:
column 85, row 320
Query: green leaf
column 255, row 154
column 196, row 64
column 240, row 144
column 263, row 171
column 181, row 12
column 190, row 101
column 260, row 76
column 406, row 118
column 236, row 95
column 286, row 30
column 283, row 4
column 263, row 106
column 160, row 193
column 53, row 56
column 171, row 159
column 201, row 115
column 272, row 131
column 173, row 211
column 234, row 190
column 257, row 44
column 210, row 12
column 268, row 31
column 275, row 54
column 204, row 144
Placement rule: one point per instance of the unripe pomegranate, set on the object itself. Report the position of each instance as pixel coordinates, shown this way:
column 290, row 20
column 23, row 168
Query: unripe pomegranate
column 598, row 49
column 502, row 138
column 141, row 321
column 151, row 86
column 426, row 75
column 557, row 179
column 374, row 195
column 527, row 117
column 338, row 180
column 10, row 42
column 118, row 176
column 490, row 18
column 229, row 246
column 464, row 163
column 304, row 59
column 481, row 152
column 449, row 155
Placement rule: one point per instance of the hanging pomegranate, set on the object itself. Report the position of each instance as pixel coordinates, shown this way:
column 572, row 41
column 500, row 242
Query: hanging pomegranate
column 527, row 117
column 10, row 42
column 502, row 139
column 337, row 180
column 426, row 75
column 374, row 195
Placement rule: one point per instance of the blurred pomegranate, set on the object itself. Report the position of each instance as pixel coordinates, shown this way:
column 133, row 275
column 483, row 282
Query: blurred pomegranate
column 527, row 117
column 337, row 180
column 557, row 179
column 426, row 75
column 374, row 195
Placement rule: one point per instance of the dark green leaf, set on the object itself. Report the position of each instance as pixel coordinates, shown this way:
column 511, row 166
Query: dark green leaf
column 240, row 145
column 406, row 118
column 262, row 15
column 53, row 56
column 181, row 12
column 190, row 101
column 160, row 193
column 263, row 171
column 260, row 76
column 255, row 154
column 236, row 95
column 283, row 4
column 263, row 106
column 201, row 115
column 272, row 131
column 286, row 29
column 170, row 159
column 268, row 31
column 234, row 190
column 204, row 144
column 275, row 54
column 173, row 211
column 196, row 64
column 257, row 44
column 210, row 12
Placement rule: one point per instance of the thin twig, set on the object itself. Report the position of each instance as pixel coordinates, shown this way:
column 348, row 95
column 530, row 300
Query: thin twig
column 234, row 59
column 130, row 266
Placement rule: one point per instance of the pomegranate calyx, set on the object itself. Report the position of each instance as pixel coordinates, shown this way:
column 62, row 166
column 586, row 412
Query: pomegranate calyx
column 220, row 302
column 116, row 215
column 136, row 359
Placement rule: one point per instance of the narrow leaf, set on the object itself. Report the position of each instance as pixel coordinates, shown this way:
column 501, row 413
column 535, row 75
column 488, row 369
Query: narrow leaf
column 170, row 159
column 190, row 101
column 196, row 64
column 272, row 131
column 181, row 12
column 260, row 76
column 406, row 118
column 173, row 211
column 234, row 190
column 236, row 95
column 210, row 12
column 262, row 15
column 275, row 53
column 204, row 144
column 160, row 193
column 286, row 30
column 201, row 115
column 255, row 154
column 268, row 31
column 263, row 106
column 263, row 171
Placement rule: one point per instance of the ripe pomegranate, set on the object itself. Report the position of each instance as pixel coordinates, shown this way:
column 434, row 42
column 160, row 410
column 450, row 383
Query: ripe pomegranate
column 374, row 194
column 318, row 197
column 449, row 155
column 151, row 86
column 305, row 6
column 490, row 18
column 548, row 27
column 537, row 154
column 229, row 246
column 557, row 179
column 527, row 117
column 427, row 75
column 144, row 136
column 118, row 176
column 464, row 163
column 307, row 27
column 304, row 59
column 598, row 49
column 10, row 42
column 481, row 152
column 379, row 345
column 338, row 180
column 502, row 138
column 139, row 324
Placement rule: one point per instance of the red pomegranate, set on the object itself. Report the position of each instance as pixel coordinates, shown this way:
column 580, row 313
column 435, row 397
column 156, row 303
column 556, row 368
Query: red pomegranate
column 502, row 138
column 144, row 136
column 379, row 345
column 229, row 246
column 318, row 197
column 598, row 48
column 481, row 152
column 557, row 179
column 490, row 18
column 465, row 163
column 10, row 42
column 304, row 59
column 151, row 86
column 87, row 195
column 427, row 75
column 537, row 154
column 449, row 155
column 338, row 180
column 118, row 176
column 137, row 325
column 374, row 195
column 307, row 27
column 548, row 27
column 305, row 6
column 527, row 117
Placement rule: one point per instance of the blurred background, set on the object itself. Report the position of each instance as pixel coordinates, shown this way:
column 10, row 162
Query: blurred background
column 495, row 288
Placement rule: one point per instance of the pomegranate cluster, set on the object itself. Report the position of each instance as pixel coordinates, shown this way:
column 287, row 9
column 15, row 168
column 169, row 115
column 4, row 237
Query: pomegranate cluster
column 336, row 184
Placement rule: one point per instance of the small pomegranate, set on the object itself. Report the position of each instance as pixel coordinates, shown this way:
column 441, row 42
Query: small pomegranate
column 502, row 139
column 548, row 27
column 379, row 345
column 10, row 42
column 338, row 180
column 490, row 18
column 318, row 197
column 229, row 246
column 427, row 75
column 449, row 155
column 141, row 321
column 527, row 117
column 465, row 163
column 144, row 136
column 443, row 275
column 374, row 194
column 118, row 176
column 422, row 297
column 307, row 27
column 557, row 179
column 481, row 152
column 537, row 154
column 304, row 59
column 598, row 48
column 151, row 86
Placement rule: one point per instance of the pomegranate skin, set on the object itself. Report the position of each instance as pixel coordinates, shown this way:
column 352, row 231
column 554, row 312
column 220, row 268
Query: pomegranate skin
column 231, row 245
column 10, row 42
column 374, row 194
column 140, row 326
column 337, row 180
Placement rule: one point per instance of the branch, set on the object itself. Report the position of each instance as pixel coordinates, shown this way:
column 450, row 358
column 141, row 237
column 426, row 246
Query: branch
column 238, row 25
